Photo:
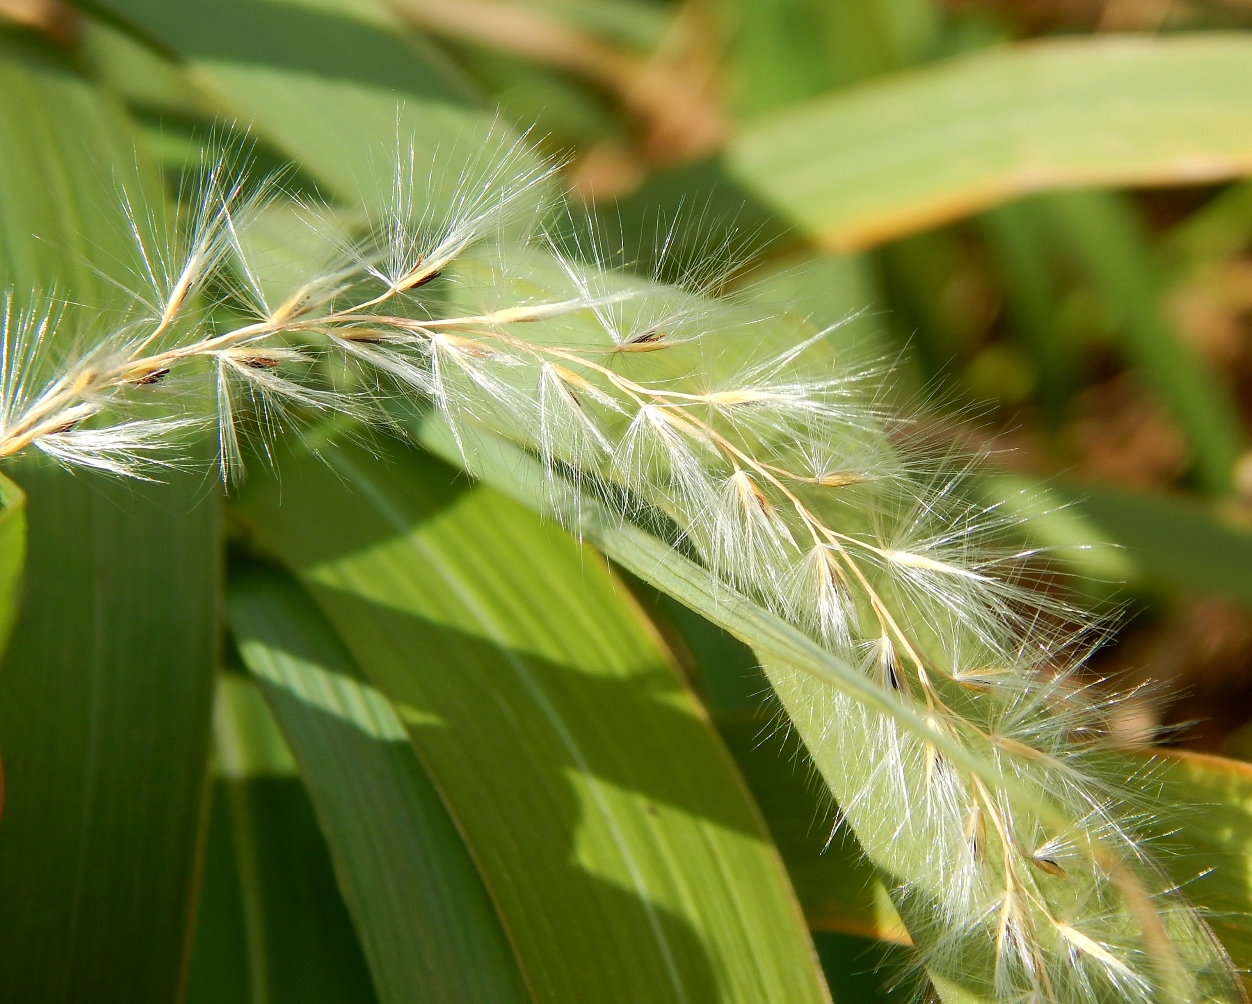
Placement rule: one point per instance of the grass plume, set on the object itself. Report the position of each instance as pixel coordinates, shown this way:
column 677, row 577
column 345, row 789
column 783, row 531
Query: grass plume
column 777, row 462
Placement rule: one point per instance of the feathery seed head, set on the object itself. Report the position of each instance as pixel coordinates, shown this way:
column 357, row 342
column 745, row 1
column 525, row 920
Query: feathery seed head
column 981, row 788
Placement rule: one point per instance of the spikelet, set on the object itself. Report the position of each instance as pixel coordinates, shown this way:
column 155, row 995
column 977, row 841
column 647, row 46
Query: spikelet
column 985, row 792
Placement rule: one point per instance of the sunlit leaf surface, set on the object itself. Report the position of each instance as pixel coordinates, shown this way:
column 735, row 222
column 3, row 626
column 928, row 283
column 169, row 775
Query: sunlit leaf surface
column 426, row 923
column 865, row 164
column 597, row 801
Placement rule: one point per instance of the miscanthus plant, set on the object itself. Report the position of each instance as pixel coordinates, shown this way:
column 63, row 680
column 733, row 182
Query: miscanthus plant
column 979, row 777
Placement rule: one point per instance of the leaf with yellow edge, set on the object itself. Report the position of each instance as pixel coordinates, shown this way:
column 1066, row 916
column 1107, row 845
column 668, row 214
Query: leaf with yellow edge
column 867, row 164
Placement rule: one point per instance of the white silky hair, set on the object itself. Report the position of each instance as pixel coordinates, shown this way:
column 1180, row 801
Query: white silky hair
column 767, row 453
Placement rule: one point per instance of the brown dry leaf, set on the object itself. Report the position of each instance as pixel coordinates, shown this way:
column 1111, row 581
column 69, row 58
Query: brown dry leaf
column 51, row 17
column 606, row 170
column 671, row 93
column 1135, row 15
column 1043, row 17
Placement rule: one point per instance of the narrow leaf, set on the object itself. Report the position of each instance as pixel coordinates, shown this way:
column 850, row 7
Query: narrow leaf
column 1106, row 237
column 426, row 924
column 272, row 928
column 104, row 711
column 811, row 684
column 599, row 804
column 336, row 86
column 1203, row 831
column 866, row 164
column 105, row 692
column 1178, row 544
column 12, row 560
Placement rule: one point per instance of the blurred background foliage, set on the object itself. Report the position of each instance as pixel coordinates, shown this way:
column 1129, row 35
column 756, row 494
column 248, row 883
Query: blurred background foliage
column 1035, row 206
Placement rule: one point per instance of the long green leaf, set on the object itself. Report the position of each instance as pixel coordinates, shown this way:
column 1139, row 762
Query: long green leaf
column 801, row 672
column 271, row 927
column 337, row 86
column 609, row 825
column 1153, row 542
column 866, row 164
column 1205, row 823
column 105, row 692
column 1016, row 234
column 1205, row 839
column 104, row 711
column 1106, row 237
column 1177, row 544
column 427, row 926
column 1204, row 829
column 12, row 558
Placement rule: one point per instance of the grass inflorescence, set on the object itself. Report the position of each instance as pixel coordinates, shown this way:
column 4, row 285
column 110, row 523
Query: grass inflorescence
column 782, row 465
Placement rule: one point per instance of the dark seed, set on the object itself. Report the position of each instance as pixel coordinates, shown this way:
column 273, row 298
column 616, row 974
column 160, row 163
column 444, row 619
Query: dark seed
column 153, row 376
column 361, row 337
column 1049, row 866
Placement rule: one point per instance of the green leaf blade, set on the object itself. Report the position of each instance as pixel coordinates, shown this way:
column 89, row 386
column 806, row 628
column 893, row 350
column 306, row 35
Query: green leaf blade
column 106, row 688
column 808, row 680
column 426, row 924
column 544, row 702
column 340, row 87
column 106, row 691
column 1177, row 544
column 868, row 164
column 1107, row 238
column 271, row 927
column 12, row 556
